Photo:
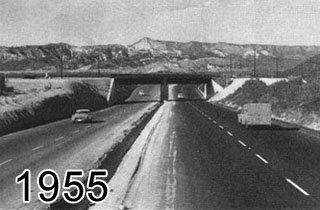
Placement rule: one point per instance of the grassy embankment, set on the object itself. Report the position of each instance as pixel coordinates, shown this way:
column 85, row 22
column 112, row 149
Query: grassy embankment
column 33, row 102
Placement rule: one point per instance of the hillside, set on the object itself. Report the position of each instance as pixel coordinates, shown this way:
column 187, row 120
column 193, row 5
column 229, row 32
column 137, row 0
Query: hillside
column 223, row 49
column 49, row 57
column 189, row 56
column 293, row 101
column 308, row 69
column 241, row 56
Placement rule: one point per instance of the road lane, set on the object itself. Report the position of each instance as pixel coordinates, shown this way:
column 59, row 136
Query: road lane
column 202, row 166
column 62, row 145
column 290, row 152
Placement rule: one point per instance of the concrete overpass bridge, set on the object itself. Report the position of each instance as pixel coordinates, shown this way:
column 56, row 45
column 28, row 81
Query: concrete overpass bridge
column 164, row 79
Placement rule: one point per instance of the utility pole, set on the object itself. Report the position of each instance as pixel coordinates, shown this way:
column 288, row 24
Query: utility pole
column 61, row 63
column 230, row 64
column 277, row 66
column 97, row 54
column 254, row 63
column 99, row 65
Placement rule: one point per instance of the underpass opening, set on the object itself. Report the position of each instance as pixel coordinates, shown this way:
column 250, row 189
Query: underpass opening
column 187, row 92
column 145, row 93
column 160, row 85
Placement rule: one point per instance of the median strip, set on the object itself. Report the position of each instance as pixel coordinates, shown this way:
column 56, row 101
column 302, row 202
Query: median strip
column 262, row 159
column 5, row 162
column 36, row 148
column 297, row 187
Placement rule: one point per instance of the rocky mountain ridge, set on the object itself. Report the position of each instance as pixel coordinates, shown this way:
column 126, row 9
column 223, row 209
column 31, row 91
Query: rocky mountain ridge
column 147, row 51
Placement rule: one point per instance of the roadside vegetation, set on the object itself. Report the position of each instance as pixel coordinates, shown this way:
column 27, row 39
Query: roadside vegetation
column 4, row 89
column 292, row 100
column 38, row 101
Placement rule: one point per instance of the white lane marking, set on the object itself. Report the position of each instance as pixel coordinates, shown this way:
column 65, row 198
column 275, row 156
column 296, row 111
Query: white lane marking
column 261, row 158
column 89, row 126
column 220, row 126
column 36, row 148
column 297, row 186
column 209, row 118
column 76, row 131
column 230, row 134
column 5, row 162
column 214, row 121
column 243, row 144
column 59, row 138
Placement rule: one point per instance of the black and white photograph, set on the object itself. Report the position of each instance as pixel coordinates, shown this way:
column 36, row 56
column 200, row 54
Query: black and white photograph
column 159, row 104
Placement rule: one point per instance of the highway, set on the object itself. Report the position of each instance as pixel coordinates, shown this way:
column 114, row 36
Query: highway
column 201, row 158
column 63, row 145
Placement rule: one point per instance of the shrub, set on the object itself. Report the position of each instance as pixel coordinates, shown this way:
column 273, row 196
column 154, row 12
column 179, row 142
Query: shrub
column 251, row 91
column 285, row 94
column 310, row 96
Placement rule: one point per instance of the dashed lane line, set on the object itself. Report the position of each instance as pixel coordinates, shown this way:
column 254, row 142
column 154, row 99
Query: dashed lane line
column 241, row 142
column 76, row 131
column 297, row 187
column 262, row 159
column 230, row 134
column 59, row 138
column 36, row 148
column 5, row 162
column 258, row 156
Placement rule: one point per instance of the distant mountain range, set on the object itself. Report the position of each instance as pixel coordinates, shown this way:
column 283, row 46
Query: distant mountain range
column 198, row 49
column 147, row 51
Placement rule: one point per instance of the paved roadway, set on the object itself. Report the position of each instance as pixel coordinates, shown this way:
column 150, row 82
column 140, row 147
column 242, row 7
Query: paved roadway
column 206, row 160
column 61, row 145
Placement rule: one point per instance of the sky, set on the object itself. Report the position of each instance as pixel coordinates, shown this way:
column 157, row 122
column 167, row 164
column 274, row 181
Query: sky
column 93, row 22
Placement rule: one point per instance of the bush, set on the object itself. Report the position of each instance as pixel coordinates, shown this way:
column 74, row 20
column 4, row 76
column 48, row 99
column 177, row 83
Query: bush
column 310, row 96
column 283, row 95
column 251, row 91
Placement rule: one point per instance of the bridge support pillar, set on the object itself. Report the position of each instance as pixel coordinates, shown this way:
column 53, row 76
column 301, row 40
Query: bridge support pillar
column 111, row 92
column 164, row 95
column 205, row 91
column 209, row 90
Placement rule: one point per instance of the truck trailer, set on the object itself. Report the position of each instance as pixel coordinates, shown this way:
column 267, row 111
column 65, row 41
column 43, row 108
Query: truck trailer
column 255, row 114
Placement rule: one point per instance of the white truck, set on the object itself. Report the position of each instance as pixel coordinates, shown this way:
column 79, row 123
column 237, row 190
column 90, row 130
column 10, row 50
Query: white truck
column 255, row 114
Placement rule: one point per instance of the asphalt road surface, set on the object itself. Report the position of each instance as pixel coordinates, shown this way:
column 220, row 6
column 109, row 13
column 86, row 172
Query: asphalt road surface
column 204, row 159
column 62, row 145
